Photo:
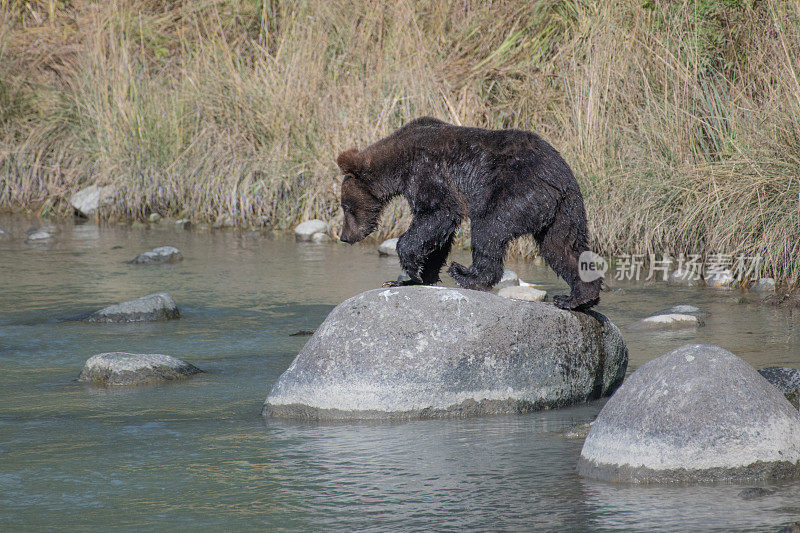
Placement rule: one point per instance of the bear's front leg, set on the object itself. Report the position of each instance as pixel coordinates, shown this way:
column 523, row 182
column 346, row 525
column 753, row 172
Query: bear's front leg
column 423, row 249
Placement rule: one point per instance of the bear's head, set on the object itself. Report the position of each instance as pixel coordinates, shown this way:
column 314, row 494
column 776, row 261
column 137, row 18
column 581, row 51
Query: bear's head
column 362, row 209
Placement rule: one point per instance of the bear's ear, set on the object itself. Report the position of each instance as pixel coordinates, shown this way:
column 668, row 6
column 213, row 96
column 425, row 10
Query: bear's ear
column 350, row 162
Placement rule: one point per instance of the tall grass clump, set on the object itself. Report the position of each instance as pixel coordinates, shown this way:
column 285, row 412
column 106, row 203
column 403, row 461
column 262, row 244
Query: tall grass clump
column 680, row 119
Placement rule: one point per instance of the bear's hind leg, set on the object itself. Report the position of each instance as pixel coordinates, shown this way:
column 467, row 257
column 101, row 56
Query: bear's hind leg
column 561, row 245
column 488, row 252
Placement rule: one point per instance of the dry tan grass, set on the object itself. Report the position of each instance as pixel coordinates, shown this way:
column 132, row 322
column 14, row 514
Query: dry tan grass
column 681, row 119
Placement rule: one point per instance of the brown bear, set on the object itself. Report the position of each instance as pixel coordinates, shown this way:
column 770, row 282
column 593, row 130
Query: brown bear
column 508, row 182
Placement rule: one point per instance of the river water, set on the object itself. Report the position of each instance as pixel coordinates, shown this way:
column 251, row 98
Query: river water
column 197, row 454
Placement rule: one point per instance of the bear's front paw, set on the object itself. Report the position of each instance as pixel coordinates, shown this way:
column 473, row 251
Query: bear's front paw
column 391, row 284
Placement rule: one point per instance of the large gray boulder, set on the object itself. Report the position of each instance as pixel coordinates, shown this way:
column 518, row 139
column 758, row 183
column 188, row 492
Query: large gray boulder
column 696, row 414
column 150, row 308
column 120, row 368
column 160, row 255
column 89, row 200
column 416, row 352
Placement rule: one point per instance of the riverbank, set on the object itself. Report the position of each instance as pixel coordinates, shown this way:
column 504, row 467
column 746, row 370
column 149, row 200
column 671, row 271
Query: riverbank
column 680, row 123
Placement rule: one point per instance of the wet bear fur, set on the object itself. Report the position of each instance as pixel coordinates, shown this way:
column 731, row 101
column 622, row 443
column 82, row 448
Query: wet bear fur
column 508, row 182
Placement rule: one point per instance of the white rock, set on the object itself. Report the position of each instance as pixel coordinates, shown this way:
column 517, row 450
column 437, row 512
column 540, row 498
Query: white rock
column 305, row 230
column 388, row 247
column 4, row 235
column 720, row 280
column 509, row 279
column 527, row 293
column 667, row 321
column 92, row 198
column 320, row 238
column 696, row 414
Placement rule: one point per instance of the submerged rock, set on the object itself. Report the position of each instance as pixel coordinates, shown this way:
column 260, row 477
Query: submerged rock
column 40, row 236
column 696, row 414
column 120, row 368
column 667, row 321
column 150, row 308
column 763, row 285
column 89, row 200
column 421, row 351
column 526, row 293
column 4, row 235
column 320, row 238
column 388, row 247
column 162, row 254
column 786, row 380
column 305, row 230
column 509, row 279
column 755, row 492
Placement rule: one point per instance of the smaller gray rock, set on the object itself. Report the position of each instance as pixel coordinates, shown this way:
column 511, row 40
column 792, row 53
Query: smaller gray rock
column 121, row 368
column 721, row 280
column 786, row 380
column 160, row 255
column 763, row 285
column 666, row 322
column 150, row 308
column 40, row 237
column 305, row 230
column 684, row 277
column 755, row 492
column 4, row 235
column 527, row 293
column 509, row 279
column 388, row 247
column 154, row 218
column 223, row 221
column 183, row 223
column 320, row 238
column 89, row 200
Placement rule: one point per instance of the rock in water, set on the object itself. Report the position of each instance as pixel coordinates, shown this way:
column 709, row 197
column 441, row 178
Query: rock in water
column 39, row 236
column 320, row 238
column 388, row 247
column 162, row 254
column 763, row 285
column 509, row 279
column 786, row 380
column 668, row 321
column 421, row 351
column 89, row 200
column 306, row 230
column 696, row 414
column 4, row 235
column 150, row 308
column 120, row 368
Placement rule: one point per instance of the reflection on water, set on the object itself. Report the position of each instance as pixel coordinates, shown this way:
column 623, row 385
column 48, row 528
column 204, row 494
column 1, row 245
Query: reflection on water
column 196, row 454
